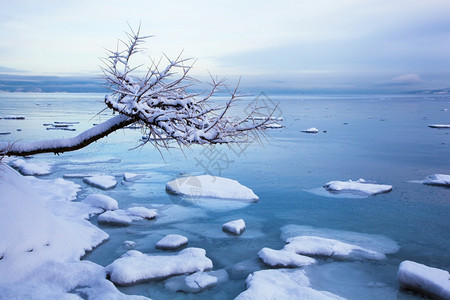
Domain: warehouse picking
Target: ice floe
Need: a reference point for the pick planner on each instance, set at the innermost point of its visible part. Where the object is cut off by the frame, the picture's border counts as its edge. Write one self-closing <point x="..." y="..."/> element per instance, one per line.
<point x="210" y="186"/>
<point x="283" y="258"/>
<point x="311" y="130"/>
<point x="235" y="227"/>
<point x="281" y="284"/>
<point x="171" y="242"/>
<point x="439" y="125"/>
<point x="140" y="267"/>
<point x="14" y="117"/>
<point x="273" y="125"/>
<point x="360" y="187"/>
<point x="101" y="201"/>
<point x="142" y="212"/>
<point x="426" y="280"/>
<point x="318" y="246"/>
<point x="438" y="179"/>
<point x="196" y="282"/>
<point x="31" y="168"/>
<point x="130" y="177"/>
<point x="117" y="217"/>
<point x="104" y="182"/>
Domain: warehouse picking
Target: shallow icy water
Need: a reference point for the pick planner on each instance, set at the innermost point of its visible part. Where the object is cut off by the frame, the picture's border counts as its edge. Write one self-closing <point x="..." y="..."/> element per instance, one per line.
<point x="384" y="139"/>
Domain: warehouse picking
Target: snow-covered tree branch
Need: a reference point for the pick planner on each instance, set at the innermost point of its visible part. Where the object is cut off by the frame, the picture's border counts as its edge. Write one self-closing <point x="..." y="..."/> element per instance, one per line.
<point x="159" y="100"/>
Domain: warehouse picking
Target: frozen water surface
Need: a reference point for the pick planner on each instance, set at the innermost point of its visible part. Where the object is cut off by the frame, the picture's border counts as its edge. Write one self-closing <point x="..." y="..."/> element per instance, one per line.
<point x="384" y="139"/>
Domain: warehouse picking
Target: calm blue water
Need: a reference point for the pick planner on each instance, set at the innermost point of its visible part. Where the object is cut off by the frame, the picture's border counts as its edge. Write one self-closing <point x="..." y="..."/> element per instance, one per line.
<point x="380" y="138"/>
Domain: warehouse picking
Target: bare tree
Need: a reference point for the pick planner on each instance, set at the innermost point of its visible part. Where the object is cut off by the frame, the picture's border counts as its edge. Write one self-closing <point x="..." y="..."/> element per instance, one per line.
<point x="158" y="100"/>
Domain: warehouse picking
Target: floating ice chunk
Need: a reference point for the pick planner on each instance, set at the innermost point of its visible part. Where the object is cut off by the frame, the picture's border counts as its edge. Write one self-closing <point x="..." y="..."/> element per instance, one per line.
<point x="30" y="168"/>
<point x="102" y="201"/>
<point x="104" y="182"/>
<point x="439" y="125"/>
<point x="130" y="177"/>
<point x="235" y="227"/>
<point x="5" y="133"/>
<point x="438" y="179"/>
<point x="281" y="284"/>
<point x="196" y="282"/>
<point x="14" y="117"/>
<point x="360" y="186"/>
<point x="172" y="241"/>
<point x="375" y="242"/>
<point x="129" y="245"/>
<point x="311" y="130"/>
<point x="210" y="186"/>
<point x="426" y="280"/>
<point x="273" y="125"/>
<point x="141" y="267"/>
<point x="117" y="217"/>
<point x="142" y="212"/>
<point x="283" y="258"/>
<point x="317" y="246"/>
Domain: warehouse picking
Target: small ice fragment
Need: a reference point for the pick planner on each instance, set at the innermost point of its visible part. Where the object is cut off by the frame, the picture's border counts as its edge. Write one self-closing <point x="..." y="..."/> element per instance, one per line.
<point x="311" y="130"/>
<point x="439" y="125"/>
<point x="360" y="186"/>
<point x="129" y="245"/>
<point x="102" y="201"/>
<point x="104" y="182"/>
<point x="235" y="227"/>
<point x="438" y="179"/>
<point x="171" y="242"/>
<point x="131" y="176"/>
<point x="284" y="259"/>
<point x="142" y="212"/>
<point x="426" y="280"/>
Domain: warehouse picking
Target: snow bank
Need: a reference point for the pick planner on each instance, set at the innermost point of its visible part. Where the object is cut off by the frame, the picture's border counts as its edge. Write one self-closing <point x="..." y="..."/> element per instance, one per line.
<point x="283" y="258"/>
<point x="142" y="212"/>
<point x="196" y="282"/>
<point x="311" y="130"/>
<point x="235" y="227"/>
<point x="210" y="186"/>
<point x="171" y="242"/>
<point x="317" y="246"/>
<point x="141" y="267"/>
<point x="438" y="179"/>
<point x="359" y="186"/>
<point x="104" y="182"/>
<point x="32" y="234"/>
<point x="420" y="278"/>
<point x="30" y="168"/>
<point x="281" y="284"/>
<point x="101" y="201"/>
<point x="374" y="242"/>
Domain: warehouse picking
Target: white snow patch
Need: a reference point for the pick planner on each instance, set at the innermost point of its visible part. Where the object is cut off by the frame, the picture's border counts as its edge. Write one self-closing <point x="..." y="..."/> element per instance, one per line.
<point x="141" y="267"/>
<point x="311" y="130"/>
<point x="196" y="282"/>
<point x="426" y="280"/>
<point x="281" y="284"/>
<point x="235" y="227"/>
<point x="172" y="241"/>
<point x="438" y="179"/>
<point x="283" y="258"/>
<point x="101" y="201"/>
<point x="318" y="246"/>
<point x="130" y="177"/>
<point x="117" y="217"/>
<point x="273" y="125"/>
<point x="142" y="212"/>
<point x="31" y="168"/>
<point x="210" y="186"/>
<point x="360" y="186"/>
<point x="104" y="182"/>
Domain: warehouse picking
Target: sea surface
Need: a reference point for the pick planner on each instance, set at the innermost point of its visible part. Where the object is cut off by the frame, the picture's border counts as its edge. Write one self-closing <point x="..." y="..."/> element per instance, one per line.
<point x="385" y="139"/>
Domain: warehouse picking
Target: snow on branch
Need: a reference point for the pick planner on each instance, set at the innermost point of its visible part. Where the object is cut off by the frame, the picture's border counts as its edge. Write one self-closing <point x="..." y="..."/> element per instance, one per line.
<point x="159" y="100"/>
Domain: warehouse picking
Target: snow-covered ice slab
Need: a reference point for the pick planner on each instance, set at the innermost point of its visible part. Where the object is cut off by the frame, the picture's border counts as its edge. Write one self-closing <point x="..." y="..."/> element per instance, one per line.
<point x="438" y="179"/>
<point x="104" y="182"/>
<point x="283" y="258"/>
<point x="142" y="212"/>
<point x="193" y="283"/>
<point x="102" y="201"/>
<point x="311" y="130"/>
<point x="130" y="177"/>
<point x="282" y="284"/>
<point x="318" y="246"/>
<point x="140" y="267"/>
<point x="236" y="227"/>
<point x="273" y="125"/>
<point x="171" y="242"/>
<point x="374" y="242"/>
<point x="210" y="186"/>
<point x="439" y="125"/>
<point x="360" y="187"/>
<point x="31" y="168"/>
<point x="117" y="217"/>
<point x="426" y="280"/>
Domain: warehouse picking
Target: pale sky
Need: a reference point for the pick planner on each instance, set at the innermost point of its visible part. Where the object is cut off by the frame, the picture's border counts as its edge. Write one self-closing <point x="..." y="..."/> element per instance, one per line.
<point x="348" y="44"/>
